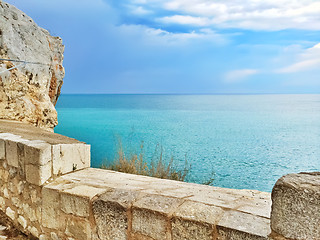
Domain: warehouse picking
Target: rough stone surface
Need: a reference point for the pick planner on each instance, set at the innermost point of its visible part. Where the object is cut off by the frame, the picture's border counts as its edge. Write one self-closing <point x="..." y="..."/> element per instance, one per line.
<point x="69" y="158"/>
<point x="8" y="231"/>
<point x="78" y="228"/>
<point x="194" y="220"/>
<point x="9" y="129"/>
<point x="10" y="213"/>
<point x="111" y="211"/>
<point x="51" y="216"/>
<point x="296" y="206"/>
<point x="38" y="175"/>
<point x="239" y="225"/>
<point x="25" y="172"/>
<point x="151" y="213"/>
<point x="228" y="234"/>
<point x="37" y="153"/>
<point x="29" y="92"/>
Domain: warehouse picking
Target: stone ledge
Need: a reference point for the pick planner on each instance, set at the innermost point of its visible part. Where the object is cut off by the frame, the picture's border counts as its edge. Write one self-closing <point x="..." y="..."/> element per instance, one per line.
<point x="29" y="132"/>
<point x="38" y="160"/>
<point x="154" y="208"/>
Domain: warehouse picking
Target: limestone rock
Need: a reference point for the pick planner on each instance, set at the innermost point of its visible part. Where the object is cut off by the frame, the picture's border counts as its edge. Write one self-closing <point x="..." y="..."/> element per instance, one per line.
<point x="29" y="92"/>
<point x="296" y="206"/>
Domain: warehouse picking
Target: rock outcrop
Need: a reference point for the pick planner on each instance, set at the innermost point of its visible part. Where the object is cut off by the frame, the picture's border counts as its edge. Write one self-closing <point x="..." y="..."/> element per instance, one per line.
<point x="296" y="207"/>
<point x="29" y="92"/>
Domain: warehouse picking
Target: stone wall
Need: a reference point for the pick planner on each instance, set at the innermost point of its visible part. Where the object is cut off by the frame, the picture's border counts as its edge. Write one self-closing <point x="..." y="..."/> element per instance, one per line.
<point x="30" y="158"/>
<point x="49" y="192"/>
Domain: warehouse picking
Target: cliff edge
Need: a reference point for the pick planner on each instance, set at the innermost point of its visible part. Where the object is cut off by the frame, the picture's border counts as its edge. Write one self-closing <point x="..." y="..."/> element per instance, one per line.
<point x="29" y="92"/>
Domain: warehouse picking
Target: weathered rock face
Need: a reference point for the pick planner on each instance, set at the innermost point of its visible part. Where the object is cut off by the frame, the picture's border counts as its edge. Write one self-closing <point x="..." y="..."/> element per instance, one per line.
<point x="296" y="206"/>
<point x="29" y="92"/>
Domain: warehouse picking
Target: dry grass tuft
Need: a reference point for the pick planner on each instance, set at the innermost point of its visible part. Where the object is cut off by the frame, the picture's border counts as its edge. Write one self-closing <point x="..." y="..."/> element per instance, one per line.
<point x="136" y="164"/>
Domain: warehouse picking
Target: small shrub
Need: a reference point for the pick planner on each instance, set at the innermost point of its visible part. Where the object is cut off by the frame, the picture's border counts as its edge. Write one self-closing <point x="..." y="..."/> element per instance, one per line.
<point x="136" y="164"/>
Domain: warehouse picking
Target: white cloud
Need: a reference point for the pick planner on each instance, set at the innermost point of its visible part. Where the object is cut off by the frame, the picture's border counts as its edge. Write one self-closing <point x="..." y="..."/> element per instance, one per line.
<point x="301" y="66"/>
<point x="239" y="75"/>
<point x="188" y="20"/>
<point x="140" y="11"/>
<point x="139" y="1"/>
<point x="247" y="14"/>
<point x="157" y="36"/>
<point x="307" y="60"/>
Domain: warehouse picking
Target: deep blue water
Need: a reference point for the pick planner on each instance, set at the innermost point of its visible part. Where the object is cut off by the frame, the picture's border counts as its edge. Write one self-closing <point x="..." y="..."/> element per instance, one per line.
<point x="248" y="140"/>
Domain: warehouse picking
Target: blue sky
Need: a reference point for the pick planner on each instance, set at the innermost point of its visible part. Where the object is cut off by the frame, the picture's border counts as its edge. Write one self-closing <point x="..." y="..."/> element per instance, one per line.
<point x="185" y="46"/>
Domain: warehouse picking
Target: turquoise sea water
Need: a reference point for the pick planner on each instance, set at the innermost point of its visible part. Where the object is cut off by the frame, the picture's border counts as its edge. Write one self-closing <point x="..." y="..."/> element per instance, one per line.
<point x="248" y="140"/>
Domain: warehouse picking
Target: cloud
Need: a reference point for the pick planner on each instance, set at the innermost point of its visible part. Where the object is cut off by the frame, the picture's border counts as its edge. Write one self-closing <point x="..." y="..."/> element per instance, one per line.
<point x="307" y="60"/>
<point x="239" y="75"/>
<point x="140" y="10"/>
<point x="301" y="66"/>
<point x="248" y="14"/>
<point x="181" y="19"/>
<point x="160" y="37"/>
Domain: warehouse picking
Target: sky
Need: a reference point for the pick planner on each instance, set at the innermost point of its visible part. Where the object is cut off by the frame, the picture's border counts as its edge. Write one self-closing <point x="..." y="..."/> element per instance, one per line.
<point x="185" y="46"/>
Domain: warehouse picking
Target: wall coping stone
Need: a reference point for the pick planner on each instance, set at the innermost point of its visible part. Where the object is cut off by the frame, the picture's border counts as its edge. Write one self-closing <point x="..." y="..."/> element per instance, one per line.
<point x="30" y="132"/>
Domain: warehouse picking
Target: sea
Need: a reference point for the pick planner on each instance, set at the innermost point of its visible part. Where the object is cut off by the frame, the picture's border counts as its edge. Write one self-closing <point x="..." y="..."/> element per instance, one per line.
<point x="243" y="141"/>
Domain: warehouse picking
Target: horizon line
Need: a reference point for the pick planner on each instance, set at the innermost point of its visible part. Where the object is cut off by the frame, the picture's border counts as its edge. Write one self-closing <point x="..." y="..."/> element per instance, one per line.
<point x="316" y="93"/>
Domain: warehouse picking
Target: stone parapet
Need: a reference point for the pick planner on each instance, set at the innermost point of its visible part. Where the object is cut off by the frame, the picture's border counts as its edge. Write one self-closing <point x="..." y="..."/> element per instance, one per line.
<point x="116" y="205"/>
<point x="27" y="164"/>
<point x="296" y="207"/>
<point x="49" y="191"/>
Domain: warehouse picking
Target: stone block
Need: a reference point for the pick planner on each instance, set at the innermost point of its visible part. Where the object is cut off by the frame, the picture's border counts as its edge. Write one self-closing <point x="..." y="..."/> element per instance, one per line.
<point x="6" y="193"/>
<point x="16" y="202"/>
<point x="20" y="187"/>
<point x="12" y="153"/>
<point x="38" y="175"/>
<point x="76" y="205"/>
<point x="37" y="153"/>
<point x="76" y="200"/>
<point x="296" y="206"/>
<point x="138" y="236"/>
<point x="2" y="149"/>
<point x="51" y="213"/>
<point x="21" y="161"/>
<point x="191" y="230"/>
<point x="70" y="157"/>
<point x="29" y="212"/>
<point x="34" y="231"/>
<point x="78" y="228"/>
<point x="228" y="233"/>
<point x="43" y="237"/>
<point x="22" y="221"/>
<point x="151" y="224"/>
<point x="4" y="175"/>
<point x="158" y="203"/>
<point x="111" y="213"/>
<point x="199" y="212"/>
<point x="56" y="160"/>
<point x="10" y="213"/>
<point x="2" y="203"/>
<point x="239" y="225"/>
<point x="193" y="220"/>
<point x="151" y="214"/>
<point x="54" y="236"/>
